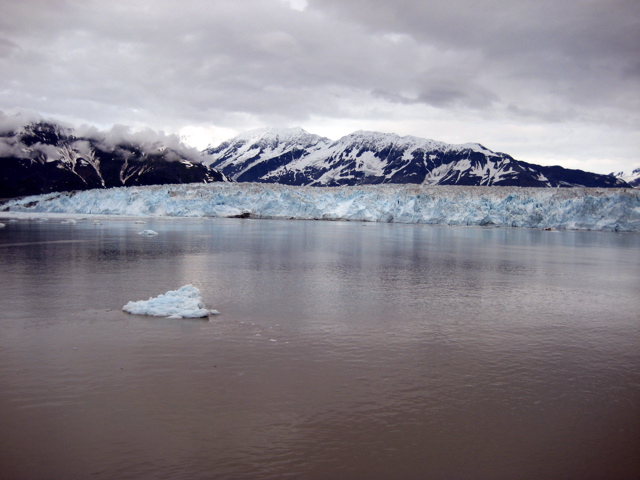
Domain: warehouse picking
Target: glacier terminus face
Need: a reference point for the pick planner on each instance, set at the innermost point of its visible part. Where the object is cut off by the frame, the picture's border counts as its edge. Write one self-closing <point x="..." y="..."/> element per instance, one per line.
<point x="558" y="208"/>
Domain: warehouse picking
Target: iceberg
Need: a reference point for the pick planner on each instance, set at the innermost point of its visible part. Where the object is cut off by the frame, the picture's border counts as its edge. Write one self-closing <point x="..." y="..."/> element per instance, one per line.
<point x="608" y="209"/>
<point x="148" y="233"/>
<point x="186" y="302"/>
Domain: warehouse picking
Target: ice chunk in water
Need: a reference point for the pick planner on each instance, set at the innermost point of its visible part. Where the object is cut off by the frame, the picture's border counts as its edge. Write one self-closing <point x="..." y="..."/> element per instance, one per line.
<point x="186" y="302"/>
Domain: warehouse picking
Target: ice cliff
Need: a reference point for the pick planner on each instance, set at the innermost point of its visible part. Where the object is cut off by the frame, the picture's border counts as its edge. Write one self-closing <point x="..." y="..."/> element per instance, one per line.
<point x="565" y="208"/>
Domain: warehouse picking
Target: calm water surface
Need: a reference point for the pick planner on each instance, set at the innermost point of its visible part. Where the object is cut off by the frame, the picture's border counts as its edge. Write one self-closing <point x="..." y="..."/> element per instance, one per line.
<point x="344" y="351"/>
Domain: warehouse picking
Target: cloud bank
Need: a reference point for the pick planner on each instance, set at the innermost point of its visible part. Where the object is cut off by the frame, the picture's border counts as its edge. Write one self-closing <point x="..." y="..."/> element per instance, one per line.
<point x="547" y="82"/>
<point x="87" y="137"/>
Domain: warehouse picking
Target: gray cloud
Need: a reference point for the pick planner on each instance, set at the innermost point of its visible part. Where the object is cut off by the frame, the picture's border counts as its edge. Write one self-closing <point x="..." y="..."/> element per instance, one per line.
<point x="407" y="66"/>
<point x="577" y="51"/>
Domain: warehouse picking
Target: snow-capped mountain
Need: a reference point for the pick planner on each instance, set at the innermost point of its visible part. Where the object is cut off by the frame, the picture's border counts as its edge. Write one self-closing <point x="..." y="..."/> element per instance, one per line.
<point x="632" y="178"/>
<point x="260" y="154"/>
<point x="42" y="157"/>
<point x="296" y="157"/>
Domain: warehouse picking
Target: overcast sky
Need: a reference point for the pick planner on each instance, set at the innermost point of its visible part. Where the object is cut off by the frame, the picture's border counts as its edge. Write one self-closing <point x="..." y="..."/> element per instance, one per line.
<point x="546" y="81"/>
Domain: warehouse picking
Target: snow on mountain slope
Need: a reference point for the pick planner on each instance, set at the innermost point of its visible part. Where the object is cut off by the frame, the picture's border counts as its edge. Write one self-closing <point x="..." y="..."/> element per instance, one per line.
<point x="576" y="208"/>
<point x="632" y="178"/>
<point x="255" y="152"/>
<point x="46" y="157"/>
<point x="295" y="157"/>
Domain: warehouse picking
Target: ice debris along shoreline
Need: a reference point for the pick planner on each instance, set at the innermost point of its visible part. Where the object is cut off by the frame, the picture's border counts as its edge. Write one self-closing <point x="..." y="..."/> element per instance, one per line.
<point x="186" y="302"/>
<point x="564" y="208"/>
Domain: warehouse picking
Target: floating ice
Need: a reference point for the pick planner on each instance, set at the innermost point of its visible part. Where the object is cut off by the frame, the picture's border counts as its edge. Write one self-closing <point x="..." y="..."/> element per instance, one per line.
<point x="610" y="209"/>
<point x="186" y="302"/>
<point x="148" y="233"/>
<point x="2" y="225"/>
<point x="69" y="221"/>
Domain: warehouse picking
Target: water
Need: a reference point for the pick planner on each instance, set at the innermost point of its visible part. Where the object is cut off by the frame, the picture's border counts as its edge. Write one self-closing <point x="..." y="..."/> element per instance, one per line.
<point x="344" y="350"/>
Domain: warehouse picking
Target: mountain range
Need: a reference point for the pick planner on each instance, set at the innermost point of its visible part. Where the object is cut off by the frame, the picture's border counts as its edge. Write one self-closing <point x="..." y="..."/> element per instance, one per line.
<point x="296" y="157"/>
<point x="43" y="157"/>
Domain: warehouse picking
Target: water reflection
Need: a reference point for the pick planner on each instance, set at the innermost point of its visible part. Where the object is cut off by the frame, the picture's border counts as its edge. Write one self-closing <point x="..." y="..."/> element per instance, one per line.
<point x="344" y="350"/>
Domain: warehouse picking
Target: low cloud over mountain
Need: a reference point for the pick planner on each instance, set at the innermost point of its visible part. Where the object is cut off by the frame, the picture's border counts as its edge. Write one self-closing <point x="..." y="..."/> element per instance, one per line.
<point x="39" y="156"/>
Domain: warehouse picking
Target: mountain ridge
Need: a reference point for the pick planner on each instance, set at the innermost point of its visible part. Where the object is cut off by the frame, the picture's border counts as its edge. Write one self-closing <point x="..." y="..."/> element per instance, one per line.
<point x="43" y="157"/>
<point x="365" y="157"/>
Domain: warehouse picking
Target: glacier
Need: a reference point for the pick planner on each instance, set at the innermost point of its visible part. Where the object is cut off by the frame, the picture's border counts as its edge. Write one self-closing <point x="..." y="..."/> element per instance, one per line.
<point x="604" y="209"/>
